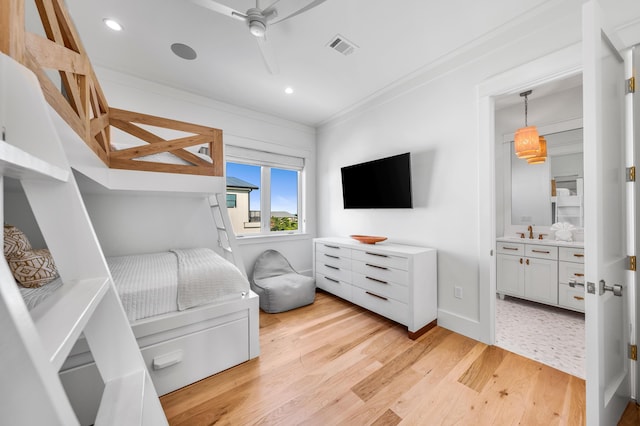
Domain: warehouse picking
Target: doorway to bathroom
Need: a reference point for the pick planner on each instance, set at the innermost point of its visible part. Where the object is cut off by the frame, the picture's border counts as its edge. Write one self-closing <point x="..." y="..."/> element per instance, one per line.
<point x="539" y="301"/>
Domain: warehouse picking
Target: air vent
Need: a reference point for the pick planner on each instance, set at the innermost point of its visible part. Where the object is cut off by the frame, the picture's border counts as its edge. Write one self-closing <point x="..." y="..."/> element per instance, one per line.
<point x="342" y="45"/>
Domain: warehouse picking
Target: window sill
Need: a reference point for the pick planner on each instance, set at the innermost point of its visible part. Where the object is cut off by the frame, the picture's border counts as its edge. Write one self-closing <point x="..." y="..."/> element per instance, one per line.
<point x="262" y="238"/>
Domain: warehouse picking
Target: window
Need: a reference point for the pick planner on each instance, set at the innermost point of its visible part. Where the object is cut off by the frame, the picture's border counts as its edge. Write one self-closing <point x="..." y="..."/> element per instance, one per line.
<point x="231" y="201"/>
<point x="266" y="189"/>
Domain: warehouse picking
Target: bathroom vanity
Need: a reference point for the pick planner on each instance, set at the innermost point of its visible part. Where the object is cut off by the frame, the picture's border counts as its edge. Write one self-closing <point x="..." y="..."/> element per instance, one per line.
<point x="545" y="271"/>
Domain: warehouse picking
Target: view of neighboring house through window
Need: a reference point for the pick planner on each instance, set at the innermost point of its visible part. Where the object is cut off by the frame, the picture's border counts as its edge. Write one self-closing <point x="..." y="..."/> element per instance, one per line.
<point x="265" y="198"/>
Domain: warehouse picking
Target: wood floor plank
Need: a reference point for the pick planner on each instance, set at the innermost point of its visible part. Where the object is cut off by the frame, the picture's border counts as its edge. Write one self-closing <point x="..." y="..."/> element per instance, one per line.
<point x="334" y="363"/>
<point x="510" y="391"/>
<point x="481" y="371"/>
<point x="575" y="404"/>
<point x="375" y="383"/>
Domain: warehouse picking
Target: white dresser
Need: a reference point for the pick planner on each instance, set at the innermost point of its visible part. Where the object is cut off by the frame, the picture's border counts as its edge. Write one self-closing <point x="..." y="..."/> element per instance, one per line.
<point x="394" y="280"/>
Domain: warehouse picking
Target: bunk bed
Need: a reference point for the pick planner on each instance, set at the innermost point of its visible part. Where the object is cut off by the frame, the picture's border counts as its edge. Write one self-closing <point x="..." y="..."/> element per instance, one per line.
<point x="161" y="156"/>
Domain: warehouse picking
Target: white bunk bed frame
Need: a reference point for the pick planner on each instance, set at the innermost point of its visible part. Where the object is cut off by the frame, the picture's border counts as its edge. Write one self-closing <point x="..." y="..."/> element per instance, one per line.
<point x="176" y="348"/>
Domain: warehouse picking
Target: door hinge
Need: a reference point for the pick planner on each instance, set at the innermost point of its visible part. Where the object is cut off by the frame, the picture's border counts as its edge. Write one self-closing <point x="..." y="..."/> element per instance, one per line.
<point x="631" y="174"/>
<point x="633" y="352"/>
<point x="630" y="86"/>
<point x="632" y="263"/>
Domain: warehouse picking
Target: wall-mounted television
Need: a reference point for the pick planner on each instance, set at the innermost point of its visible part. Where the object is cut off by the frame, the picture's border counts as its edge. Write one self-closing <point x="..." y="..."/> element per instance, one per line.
<point x="379" y="184"/>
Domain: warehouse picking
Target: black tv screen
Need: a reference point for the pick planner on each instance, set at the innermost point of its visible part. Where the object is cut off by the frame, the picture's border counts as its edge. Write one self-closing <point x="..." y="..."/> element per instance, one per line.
<point x="378" y="184"/>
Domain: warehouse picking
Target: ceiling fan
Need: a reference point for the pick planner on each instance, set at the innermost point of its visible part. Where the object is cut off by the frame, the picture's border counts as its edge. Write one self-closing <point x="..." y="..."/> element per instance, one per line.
<point x="258" y="20"/>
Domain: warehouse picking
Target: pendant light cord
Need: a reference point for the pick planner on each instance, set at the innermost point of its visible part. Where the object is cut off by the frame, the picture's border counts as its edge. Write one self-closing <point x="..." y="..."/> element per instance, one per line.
<point x="526" y="105"/>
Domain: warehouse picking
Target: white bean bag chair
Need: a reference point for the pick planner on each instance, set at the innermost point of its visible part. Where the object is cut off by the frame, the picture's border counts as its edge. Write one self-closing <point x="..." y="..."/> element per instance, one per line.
<point x="279" y="286"/>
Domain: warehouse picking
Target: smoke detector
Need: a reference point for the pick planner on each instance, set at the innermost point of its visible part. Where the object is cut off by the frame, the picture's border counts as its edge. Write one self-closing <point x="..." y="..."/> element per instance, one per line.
<point x="342" y="45"/>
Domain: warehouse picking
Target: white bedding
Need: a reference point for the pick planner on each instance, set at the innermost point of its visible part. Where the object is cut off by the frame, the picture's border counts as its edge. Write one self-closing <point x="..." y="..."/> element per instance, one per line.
<point x="148" y="283"/>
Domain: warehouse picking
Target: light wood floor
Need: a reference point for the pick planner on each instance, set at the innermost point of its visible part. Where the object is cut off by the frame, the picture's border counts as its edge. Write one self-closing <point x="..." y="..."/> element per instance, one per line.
<point x="334" y="363"/>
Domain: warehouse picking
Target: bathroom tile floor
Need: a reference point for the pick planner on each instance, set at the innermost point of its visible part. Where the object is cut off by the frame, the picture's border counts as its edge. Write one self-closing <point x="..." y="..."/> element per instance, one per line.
<point x="547" y="334"/>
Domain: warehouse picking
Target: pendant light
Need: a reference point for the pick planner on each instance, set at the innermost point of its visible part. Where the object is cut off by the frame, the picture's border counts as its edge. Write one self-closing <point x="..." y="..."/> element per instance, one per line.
<point x="526" y="139"/>
<point x="541" y="154"/>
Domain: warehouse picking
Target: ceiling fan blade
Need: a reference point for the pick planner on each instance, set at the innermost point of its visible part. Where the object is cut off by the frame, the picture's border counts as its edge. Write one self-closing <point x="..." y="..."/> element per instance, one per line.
<point x="286" y="9"/>
<point x="221" y="8"/>
<point x="268" y="55"/>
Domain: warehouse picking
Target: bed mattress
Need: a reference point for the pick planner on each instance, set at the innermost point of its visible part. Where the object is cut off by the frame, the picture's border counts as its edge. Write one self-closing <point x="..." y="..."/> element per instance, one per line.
<point x="148" y="284"/>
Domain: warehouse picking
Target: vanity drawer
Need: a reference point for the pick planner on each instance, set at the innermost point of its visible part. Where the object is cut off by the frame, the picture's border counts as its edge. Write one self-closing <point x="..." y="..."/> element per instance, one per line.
<point x="510" y="248"/>
<point x="571" y="297"/>
<point x="333" y="249"/>
<point x="380" y="287"/>
<point x="541" y="251"/>
<point x="379" y="259"/>
<point x="572" y="254"/>
<point x="380" y="273"/>
<point x="335" y="272"/>
<point x="570" y="270"/>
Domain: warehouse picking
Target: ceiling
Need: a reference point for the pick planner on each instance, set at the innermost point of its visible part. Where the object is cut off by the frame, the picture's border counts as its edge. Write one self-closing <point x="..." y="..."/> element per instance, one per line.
<point x="396" y="40"/>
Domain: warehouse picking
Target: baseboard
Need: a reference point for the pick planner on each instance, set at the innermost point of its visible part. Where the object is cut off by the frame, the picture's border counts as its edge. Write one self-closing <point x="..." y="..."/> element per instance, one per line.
<point x="462" y="325"/>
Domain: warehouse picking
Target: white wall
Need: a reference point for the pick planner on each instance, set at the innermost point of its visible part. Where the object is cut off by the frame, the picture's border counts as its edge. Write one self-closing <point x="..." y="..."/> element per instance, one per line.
<point x="127" y="224"/>
<point x="435" y="116"/>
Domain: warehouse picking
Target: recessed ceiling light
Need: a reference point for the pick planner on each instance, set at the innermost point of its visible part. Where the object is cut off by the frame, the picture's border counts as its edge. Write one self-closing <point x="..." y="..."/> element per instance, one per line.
<point x="288" y="90"/>
<point x="114" y="25"/>
<point x="184" y="51"/>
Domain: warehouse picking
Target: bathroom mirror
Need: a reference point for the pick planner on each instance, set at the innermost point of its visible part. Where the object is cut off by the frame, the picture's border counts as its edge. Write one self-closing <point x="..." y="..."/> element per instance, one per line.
<point x="542" y="194"/>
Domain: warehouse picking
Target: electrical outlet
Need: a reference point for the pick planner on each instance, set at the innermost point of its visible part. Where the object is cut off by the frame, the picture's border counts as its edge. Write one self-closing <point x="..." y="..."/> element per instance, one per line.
<point x="458" y="292"/>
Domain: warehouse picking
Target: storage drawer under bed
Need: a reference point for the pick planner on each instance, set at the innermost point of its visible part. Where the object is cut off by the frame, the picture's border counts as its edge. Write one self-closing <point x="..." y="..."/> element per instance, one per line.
<point x="172" y="364"/>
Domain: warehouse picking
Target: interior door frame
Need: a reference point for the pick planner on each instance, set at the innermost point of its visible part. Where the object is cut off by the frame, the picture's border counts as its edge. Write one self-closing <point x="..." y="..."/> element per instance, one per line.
<point x="558" y="65"/>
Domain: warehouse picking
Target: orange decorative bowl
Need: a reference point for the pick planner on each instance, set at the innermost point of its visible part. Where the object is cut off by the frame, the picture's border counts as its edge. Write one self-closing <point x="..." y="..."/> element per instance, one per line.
<point x="368" y="239"/>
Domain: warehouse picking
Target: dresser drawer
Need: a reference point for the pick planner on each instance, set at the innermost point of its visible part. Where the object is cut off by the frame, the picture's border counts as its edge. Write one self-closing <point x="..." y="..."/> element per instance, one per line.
<point x="382" y="305"/>
<point x="333" y="249"/>
<point x="570" y="270"/>
<point x="516" y="249"/>
<point x="380" y="287"/>
<point x="342" y="262"/>
<point x="541" y="251"/>
<point x="334" y="286"/>
<point x="572" y="254"/>
<point x="571" y="297"/>
<point x="379" y="259"/>
<point x="332" y="271"/>
<point x="381" y="273"/>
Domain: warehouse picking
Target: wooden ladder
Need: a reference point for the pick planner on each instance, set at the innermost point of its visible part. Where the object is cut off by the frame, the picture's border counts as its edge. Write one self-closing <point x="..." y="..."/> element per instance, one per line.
<point x="36" y="343"/>
<point x="226" y="237"/>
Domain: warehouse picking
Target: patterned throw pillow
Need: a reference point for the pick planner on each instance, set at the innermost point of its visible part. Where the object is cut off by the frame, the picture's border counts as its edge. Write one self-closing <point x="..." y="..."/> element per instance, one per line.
<point x="15" y="242"/>
<point x="34" y="268"/>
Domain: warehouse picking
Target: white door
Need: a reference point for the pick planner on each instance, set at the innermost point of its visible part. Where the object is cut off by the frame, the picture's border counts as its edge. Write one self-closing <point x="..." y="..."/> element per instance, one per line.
<point x="607" y="325"/>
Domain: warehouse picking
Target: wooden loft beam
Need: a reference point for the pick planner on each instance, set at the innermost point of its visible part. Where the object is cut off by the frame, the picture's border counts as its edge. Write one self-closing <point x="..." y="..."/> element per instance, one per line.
<point x="12" y="30"/>
<point x="79" y="99"/>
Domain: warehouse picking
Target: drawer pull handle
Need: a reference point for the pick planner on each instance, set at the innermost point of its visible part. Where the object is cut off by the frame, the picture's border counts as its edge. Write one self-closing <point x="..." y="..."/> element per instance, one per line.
<point x="573" y="283"/>
<point x="578" y="297"/>
<point x="521" y="261"/>
<point x="578" y="255"/>
<point x="541" y="251"/>
<point x="527" y="261"/>
<point x="332" y="280"/>
<point x="376" y="266"/>
<point x="332" y="247"/>
<point x="376" y="280"/>
<point x="376" y="254"/>
<point x="577" y="274"/>
<point x="375" y="295"/>
<point x="167" y="360"/>
<point x="332" y="267"/>
<point x="510" y="248"/>
<point x="332" y="256"/>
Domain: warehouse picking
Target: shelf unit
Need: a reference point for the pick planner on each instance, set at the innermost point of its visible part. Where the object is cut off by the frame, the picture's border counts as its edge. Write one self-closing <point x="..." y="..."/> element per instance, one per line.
<point x="36" y="343"/>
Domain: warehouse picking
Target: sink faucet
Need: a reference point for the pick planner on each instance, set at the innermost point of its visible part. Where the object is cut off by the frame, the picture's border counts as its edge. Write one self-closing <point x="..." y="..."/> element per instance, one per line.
<point x="530" y="229"/>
